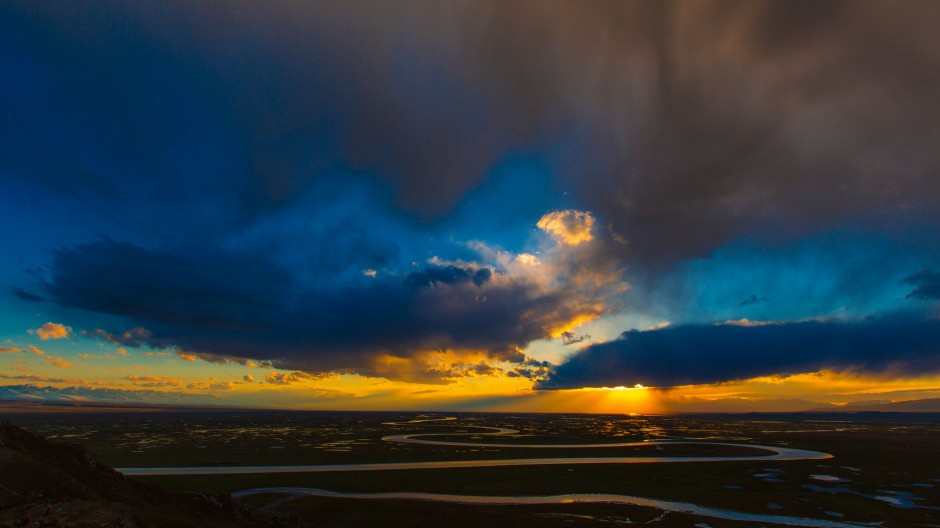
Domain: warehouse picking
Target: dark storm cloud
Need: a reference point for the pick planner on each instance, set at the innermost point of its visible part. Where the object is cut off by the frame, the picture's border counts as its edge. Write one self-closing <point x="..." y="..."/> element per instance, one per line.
<point x="447" y="275"/>
<point x="682" y="124"/>
<point x="926" y="285"/>
<point x="255" y="100"/>
<point x="134" y="338"/>
<point x="189" y="288"/>
<point x="482" y="275"/>
<point x="713" y="119"/>
<point x="695" y="354"/>
<point x="25" y="295"/>
<point x="231" y="305"/>
<point x="532" y="369"/>
<point x="752" y="299"/>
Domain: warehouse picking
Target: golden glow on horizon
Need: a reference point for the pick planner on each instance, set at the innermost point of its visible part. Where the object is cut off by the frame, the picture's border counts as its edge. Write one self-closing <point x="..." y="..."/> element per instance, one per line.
<point x="625" y="400"/>
<point x="436" y="380"/>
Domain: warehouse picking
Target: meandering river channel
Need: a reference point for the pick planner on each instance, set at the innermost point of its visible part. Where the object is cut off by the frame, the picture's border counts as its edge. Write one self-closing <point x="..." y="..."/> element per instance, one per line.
<point x="773" y="453"/>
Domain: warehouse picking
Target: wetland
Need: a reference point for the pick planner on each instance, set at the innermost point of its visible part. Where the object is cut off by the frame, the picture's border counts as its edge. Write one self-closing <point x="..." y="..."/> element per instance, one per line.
<point x="471" y="469"/>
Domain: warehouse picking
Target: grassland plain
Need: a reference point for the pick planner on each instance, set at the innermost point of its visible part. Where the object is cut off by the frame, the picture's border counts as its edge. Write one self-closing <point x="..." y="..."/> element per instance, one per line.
<point x="886" y="468"/>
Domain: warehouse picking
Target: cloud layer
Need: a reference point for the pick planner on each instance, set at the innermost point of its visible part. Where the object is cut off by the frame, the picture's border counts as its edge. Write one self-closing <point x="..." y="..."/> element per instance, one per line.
<point x="219" y="304"/>
<point x="900" y="345"/>
<point x="682" y="124"/>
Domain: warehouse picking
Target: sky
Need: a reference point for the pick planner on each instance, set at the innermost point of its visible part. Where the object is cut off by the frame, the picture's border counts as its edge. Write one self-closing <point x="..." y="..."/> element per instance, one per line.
<point x="554" y="206"/>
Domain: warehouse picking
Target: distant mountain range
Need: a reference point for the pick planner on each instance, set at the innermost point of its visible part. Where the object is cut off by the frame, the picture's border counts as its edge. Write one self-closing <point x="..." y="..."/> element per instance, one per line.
<point x="742" y="405"/>
<point x="79" y="395"/>
<point x="920" y="406"/>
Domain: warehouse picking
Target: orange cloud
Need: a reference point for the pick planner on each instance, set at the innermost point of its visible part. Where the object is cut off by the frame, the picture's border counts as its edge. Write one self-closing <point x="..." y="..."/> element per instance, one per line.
<point x="32" y="377"/>
<point x="212" y="384"/>
<point x="153" y="381"/>
<point x="52" y="330"/>
<point x="10" y="350"/>
<point x="58" y="362"/>
<point x="435" y="367"/>
<point x="288" y="378"/>
<point x="570" y="226"/>
<point x="121" y="351"/>
<point x="186" y="357"/>
<point x="34" y="350"/>
<point x="102" y="356"/>
<point x="745" y="322"/>
<point x="575" y="322"/>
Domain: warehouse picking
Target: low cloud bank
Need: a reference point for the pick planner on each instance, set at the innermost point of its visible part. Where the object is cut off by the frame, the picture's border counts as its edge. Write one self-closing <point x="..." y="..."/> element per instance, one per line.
<point x="695" y="354"/>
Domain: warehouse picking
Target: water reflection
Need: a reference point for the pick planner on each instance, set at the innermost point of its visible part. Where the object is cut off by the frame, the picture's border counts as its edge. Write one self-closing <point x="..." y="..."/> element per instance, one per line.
<point x="666" y="506"/>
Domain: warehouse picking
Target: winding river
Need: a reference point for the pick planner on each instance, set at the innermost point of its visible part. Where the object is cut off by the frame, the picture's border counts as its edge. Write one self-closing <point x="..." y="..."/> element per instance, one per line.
<point x="774" y="453"/>
<point x="668" y="506"/>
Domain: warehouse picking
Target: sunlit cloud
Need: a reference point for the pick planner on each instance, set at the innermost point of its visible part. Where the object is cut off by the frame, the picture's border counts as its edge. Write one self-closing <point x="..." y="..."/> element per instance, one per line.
<point x="527" y="259"/>
<point x="490" y="303"/>
<point x="153" y="381"/>
<point x="212" y="384"/>
<point x="437" y="367"/>
<point x="38" y="378"/>
<point x="286" y="378"/>
<point x="57" y="362"/>
<point x="52" y="330"/>
<point x="575" y="322"/>
<point x="86" y="355"/>
<point x="568" y="226"/>
<point x="747" y="322"/>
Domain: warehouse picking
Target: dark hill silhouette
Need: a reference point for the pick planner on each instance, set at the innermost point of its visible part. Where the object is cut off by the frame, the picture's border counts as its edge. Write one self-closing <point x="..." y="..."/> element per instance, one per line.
<point x="64" y="485"/>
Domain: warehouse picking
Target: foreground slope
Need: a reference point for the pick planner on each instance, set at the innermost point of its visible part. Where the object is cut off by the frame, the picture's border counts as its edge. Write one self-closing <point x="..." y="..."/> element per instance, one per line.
<point x="61" y="484"/>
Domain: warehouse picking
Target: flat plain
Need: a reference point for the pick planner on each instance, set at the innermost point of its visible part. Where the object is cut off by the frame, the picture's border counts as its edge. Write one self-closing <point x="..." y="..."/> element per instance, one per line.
<point x="885" y="467"/>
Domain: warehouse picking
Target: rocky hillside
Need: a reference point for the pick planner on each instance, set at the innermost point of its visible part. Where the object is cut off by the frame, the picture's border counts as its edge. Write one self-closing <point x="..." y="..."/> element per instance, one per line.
<point x="45" y="483"/>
